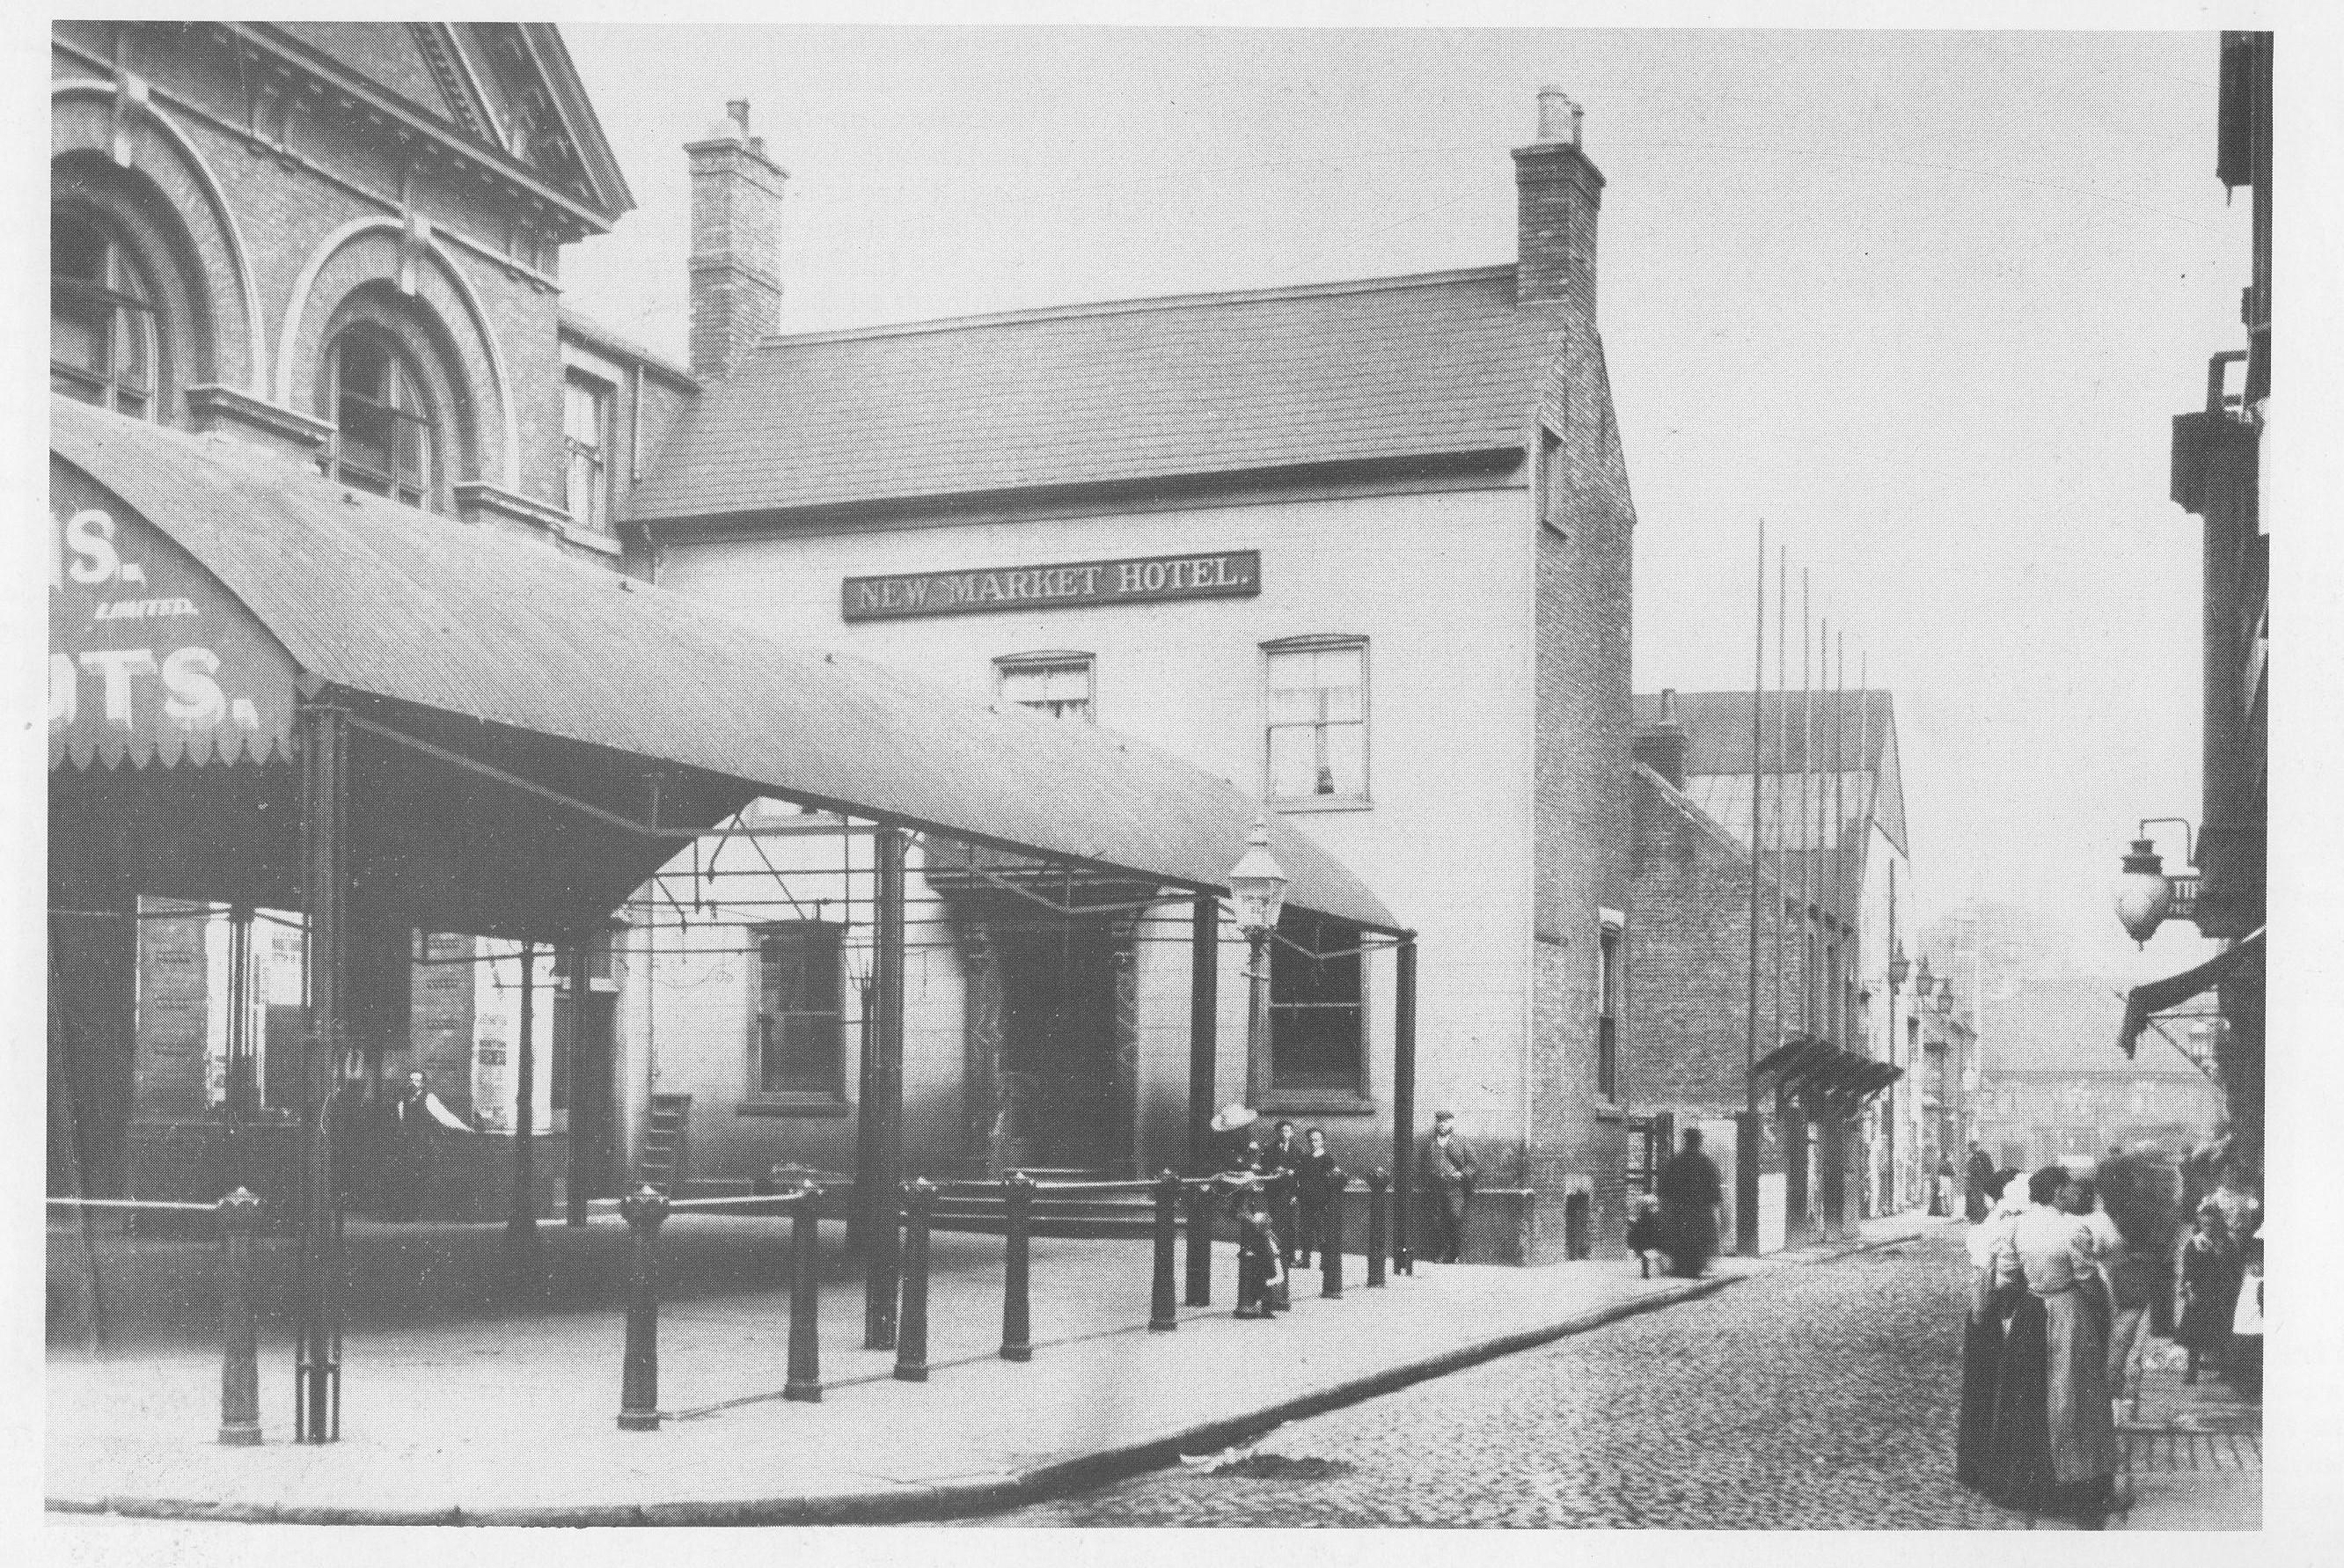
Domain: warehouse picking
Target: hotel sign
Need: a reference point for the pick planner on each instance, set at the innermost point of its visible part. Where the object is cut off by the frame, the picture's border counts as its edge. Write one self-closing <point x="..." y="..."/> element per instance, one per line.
<point x="1225" y="574"/>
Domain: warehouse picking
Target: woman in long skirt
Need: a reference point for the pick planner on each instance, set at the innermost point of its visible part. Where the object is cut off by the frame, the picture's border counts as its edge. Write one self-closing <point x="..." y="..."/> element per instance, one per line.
<point x="2054" y="1442"/>
<point x="1981" y="1332"/>
<point x="2210" y="1291"/>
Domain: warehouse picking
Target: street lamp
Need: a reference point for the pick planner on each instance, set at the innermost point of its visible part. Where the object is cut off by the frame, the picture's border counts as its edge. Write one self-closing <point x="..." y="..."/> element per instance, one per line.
<point x="1257" y="890"/>
<point x="2144" y="894"/>
<point x="1944" y="997"/>
<point x="1899" y="967"/>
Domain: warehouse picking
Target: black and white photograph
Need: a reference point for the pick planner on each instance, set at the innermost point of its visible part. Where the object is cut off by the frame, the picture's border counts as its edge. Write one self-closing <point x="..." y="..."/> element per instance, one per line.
<point x="1358" y="771"/>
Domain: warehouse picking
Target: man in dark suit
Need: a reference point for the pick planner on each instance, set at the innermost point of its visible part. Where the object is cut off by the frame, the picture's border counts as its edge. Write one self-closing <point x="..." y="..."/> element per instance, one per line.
<point x="1444" y="1173"/>
<point x="1980" y="1172"/>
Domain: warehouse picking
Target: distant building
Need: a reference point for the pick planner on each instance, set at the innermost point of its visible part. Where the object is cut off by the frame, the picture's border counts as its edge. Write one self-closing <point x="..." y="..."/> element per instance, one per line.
<point x="1840" y="906"/>
<point x="2045" y="1084"/>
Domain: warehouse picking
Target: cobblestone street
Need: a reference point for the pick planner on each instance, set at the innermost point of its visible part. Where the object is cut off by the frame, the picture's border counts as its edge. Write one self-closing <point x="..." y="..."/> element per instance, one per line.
<point x="1808" y="1398"/>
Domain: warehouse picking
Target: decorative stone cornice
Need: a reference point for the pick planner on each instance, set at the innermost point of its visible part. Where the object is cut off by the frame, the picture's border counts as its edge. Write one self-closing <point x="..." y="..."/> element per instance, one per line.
<point x="215" y="408"/>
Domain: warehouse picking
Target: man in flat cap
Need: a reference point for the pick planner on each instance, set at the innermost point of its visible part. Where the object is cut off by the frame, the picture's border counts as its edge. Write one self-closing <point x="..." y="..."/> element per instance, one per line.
<point x="1445" y="1174"/>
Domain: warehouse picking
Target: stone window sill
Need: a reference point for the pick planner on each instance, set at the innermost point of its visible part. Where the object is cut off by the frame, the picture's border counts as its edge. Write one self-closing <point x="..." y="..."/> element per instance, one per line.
<point x="1316" y="1102"/>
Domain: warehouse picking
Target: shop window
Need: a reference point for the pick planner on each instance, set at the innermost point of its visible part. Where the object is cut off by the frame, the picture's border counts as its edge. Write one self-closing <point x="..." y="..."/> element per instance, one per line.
<point x="1606" y="1013"/>
<point x="1317" y="1010"/>
<point x="102" y="332"/>
<point x="1057" y="684"/>
<point x="796" y="1037"/>
<point x="386" y="440"/>
<point x="586" y="438"/>
<point x="1317" y="706"/>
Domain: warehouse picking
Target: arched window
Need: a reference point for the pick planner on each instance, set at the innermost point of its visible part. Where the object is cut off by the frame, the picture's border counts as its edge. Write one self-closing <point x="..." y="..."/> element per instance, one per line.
<point x="387" y="441"/>
<point x="102" y="330"/>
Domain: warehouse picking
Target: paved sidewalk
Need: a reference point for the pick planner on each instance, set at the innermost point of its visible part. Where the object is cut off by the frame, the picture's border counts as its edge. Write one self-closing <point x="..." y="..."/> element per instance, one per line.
<point x="2194" y="1453"/>
<point x="495" y="1417"/>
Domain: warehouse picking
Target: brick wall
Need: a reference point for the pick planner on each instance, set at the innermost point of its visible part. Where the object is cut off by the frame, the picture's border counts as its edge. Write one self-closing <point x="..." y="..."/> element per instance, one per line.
<point x="1693" y="956"/>
<point x="1580" y="815"/>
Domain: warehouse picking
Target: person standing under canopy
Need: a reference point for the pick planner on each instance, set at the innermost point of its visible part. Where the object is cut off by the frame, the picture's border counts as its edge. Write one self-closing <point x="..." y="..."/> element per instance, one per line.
<point x="1690" y="1194"/>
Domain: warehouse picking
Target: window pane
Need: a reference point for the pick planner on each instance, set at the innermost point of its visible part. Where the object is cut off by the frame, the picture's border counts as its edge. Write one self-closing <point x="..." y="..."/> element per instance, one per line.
<point x="78" y="335"/>
<point x="1344" y="770"/>
<point x="582" y="412"/>
<point x="77" y="251"/>
<point x="133" y="348"/>
<point x="1293" y="762"/>
<point x="1315" y="1006"/>
<point x="365" y="369"/>
<point x="365" y="435"/>
<point x="411" y="459"/>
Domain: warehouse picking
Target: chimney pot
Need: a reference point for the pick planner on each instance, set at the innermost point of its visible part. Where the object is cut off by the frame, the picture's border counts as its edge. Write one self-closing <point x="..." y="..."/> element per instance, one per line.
<point x="1558" y="118"/>
<point x="737" y="110"/>
<point x="1668" y="704"/>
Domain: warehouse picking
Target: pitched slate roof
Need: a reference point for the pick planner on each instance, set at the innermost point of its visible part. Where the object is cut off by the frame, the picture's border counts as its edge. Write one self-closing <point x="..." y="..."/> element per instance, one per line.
<point x="1197" y="385"/>
<point x="1717" y="748"/>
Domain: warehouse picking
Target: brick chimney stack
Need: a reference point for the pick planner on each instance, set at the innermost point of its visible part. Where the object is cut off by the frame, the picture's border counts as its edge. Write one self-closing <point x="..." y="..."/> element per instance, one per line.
<point x="736" y="243"/>
<point x="1561" y="192"/>
<point x="1661" y="746"/>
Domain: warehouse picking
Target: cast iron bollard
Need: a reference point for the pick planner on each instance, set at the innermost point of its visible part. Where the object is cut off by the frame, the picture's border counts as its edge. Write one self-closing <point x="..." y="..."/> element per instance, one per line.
<point x="1163" y="1304"/>
<point x="911" y="1330"/>
<point x="642" y="1209"/>
<point x="1377" y="1181"/>
<point x="1201" y="1245"/>
<point x="1330" y="1237"/>
<point x="1017" y="1326"/>
<point x="240" y="1220"/>
<point x="805" y="1296"/>
<point x="1282" y="1207"/>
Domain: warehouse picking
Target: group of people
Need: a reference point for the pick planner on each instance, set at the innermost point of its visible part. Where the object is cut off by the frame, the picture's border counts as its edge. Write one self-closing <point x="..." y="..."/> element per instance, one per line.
<point x="2064" y="1282"/>
<point x="1280" y="1224"/>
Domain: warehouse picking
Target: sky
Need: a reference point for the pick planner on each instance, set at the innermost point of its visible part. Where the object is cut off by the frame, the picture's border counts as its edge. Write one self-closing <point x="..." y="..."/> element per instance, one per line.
<point x="1924" y="302"/>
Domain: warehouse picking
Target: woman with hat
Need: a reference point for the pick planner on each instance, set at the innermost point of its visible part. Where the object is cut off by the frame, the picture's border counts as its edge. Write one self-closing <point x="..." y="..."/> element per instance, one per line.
<point x="1232" y="1129"/>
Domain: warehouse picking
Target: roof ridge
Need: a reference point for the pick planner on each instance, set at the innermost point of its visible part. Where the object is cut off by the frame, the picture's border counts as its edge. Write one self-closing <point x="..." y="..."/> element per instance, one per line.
<point x="1139" y="306"/>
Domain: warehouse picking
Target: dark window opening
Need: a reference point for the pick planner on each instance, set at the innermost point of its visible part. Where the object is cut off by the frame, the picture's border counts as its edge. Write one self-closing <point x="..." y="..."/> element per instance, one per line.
<point x="102" y="336"/>
<point x="796" y="1047"/>
<point x="386" y="442"/>
<point x="1315" y="1007"/>
<point x="1607" y="1015"/>
<point x="586" y="438"/>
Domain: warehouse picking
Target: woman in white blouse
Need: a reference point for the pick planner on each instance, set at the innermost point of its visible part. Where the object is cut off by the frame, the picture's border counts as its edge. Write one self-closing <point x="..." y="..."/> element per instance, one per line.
<point x="2055" y="1448"/>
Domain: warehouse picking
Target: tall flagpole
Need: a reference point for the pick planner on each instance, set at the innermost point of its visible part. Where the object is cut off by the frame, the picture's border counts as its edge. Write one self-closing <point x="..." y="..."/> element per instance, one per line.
<point x="1745" y="1143"/>
<point x="1782" y="732"/>
<point x="1807" y="809"/>
<point x="1839" y="837"/>
<point x="1866" y="791"/>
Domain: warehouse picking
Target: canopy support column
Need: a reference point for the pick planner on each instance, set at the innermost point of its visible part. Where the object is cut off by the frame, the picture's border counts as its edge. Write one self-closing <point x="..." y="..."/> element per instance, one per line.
<point x="1796" y="1231"/>
<point x="323" y="735"/>
<point x="1204" y="1017"/>
<point x="243" y="1103"/>
<point x="521" y="1222"/>
<point x="882" y="1107"/>
<point x="1403" y="1103"/>
<point x="586" y="1076"/>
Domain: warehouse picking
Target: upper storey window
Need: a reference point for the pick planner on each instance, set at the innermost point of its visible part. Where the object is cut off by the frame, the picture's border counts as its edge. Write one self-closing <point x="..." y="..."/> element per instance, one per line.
<point x="1057" y="684"/>
<point x="1317" y="748"/>
<point x="102" y="340"/>
<point x="387" y="441"/>
<point x="586" y="438"/>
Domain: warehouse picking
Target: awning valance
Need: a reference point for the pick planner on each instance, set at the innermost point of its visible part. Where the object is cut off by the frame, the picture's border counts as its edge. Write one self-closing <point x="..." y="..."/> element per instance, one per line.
<point x="2146" y="1001"/>
<point x="359" y="595"/>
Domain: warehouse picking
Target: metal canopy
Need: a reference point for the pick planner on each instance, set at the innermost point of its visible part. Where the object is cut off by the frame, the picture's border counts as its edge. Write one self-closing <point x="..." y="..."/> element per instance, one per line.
<point x="2175" y="989"/>
<point x="491" y="644"/>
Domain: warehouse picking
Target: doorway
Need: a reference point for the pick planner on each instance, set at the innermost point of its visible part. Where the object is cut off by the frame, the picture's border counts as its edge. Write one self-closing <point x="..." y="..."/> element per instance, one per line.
<point x="582" y="1090"/>
<point x="1058" y="1082"/>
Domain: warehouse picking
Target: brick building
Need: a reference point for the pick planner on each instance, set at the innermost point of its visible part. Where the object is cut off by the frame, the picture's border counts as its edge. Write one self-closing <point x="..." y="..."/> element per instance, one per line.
<point x="1364" y="548"/>
<point x="1830" y="916"/>
<point x="338" y="245"/>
